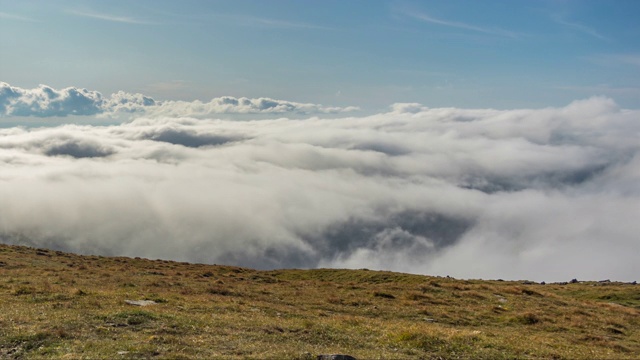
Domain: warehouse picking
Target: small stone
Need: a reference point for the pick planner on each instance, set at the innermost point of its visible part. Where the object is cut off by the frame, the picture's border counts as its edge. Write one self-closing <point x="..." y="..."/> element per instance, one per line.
<point x="122" y="352"/>
<point x="140" y="302"/>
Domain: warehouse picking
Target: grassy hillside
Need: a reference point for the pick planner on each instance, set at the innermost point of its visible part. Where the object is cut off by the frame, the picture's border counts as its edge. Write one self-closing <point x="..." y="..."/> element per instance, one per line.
<point x="59" y="305"/>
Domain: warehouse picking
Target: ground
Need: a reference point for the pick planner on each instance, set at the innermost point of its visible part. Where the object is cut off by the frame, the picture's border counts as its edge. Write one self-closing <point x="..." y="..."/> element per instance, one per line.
<point x="60" y="305"/>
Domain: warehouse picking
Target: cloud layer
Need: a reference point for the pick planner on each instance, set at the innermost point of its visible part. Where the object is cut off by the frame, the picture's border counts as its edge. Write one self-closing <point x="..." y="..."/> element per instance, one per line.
<point x="45" y="101"/>
<point x="548" y="194"/>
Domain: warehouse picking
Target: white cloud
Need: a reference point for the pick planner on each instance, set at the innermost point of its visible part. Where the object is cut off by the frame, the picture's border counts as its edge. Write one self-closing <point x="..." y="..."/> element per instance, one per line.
<point x="549" y="194"/>
<point x="45" y="101"/>
<point x="459" y="25"/>
<point x="412" y="108"/>
<point x="632" y="59"/>
<point x="243" y="105"/>
<point x="578" y="27"/>
<point x="271" y="23"/>
<point x="109" y="17"/>
<point x="8" y="16"/>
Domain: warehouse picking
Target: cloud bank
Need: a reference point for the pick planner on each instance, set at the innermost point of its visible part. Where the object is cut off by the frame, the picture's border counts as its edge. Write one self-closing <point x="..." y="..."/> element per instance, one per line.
<point x="548" y="194"/>
<point x="45" y="101"/>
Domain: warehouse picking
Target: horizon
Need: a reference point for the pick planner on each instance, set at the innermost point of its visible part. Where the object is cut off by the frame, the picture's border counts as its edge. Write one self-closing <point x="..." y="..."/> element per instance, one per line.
<point x="491" y="139"/>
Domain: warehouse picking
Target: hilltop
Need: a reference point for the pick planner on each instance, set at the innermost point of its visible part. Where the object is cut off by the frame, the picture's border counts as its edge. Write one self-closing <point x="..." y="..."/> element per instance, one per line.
<point x="61" y="305"/>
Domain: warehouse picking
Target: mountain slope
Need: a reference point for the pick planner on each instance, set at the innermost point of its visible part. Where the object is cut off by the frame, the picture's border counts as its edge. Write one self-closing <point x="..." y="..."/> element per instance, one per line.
<point x="56" y="304"/>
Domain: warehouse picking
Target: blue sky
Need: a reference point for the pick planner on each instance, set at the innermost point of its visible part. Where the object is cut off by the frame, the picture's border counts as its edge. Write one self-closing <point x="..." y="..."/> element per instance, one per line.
<point x="486" y="54"/>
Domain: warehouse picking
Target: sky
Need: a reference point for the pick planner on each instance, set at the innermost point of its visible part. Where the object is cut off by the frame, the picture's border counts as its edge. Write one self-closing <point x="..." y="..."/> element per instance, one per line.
<point x="476" y="139"/>
<point x="497" y="54"/>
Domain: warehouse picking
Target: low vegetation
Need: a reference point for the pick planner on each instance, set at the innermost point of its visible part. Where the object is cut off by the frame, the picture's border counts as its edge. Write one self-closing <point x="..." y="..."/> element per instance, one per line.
<point x="60" y="305"/>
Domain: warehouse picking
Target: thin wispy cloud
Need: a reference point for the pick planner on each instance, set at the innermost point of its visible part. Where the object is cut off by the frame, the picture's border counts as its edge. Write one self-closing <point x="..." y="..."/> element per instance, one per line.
<point x="579" y="27"/>
<point x="631" y="59"/>
<point x="603" y="89"/>
<point x="459" y="25"/>
<point x="8" y="16"/>
<point x="616" y="59"/>
<point x="270" y="23"/>
<point x="109" y="17"/>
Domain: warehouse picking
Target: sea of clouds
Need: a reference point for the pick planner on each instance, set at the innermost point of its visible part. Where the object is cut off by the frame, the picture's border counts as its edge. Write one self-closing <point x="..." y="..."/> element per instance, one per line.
<point x="542" y="194"/>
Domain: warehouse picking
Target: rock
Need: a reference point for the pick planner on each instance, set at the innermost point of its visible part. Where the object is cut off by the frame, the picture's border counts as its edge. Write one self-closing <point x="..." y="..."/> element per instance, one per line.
<point x="140" y="302"/>
<point x="335" y="357"/>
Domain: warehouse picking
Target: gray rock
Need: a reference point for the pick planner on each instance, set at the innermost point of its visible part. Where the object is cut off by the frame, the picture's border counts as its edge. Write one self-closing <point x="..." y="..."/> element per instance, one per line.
<point x="140" y="302"/>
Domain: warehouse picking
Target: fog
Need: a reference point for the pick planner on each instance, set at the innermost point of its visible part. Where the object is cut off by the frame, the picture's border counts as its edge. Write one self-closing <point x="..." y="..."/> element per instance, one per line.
<point x="542" y="194"/>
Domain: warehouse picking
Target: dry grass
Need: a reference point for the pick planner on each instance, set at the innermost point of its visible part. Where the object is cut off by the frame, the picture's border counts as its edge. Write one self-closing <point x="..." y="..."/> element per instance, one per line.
<point x="59" y="305"/>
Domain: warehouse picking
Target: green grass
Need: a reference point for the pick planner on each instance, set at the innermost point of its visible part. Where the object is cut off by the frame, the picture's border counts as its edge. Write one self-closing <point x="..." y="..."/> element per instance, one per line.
<point x="59" y="305"/>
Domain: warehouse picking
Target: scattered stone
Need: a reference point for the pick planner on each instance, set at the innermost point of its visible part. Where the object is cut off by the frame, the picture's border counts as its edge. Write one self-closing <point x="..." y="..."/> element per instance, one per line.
<point x="122" y="352"/>
<point x="335" y="357"/>
<point x="140" y="302"/>
<point x="429" y="320"/>
<point x="573" y="281"/>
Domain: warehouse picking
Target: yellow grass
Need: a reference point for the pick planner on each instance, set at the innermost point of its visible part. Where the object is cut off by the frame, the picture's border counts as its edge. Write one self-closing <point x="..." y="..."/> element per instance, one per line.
<point x="59" y="305"/>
